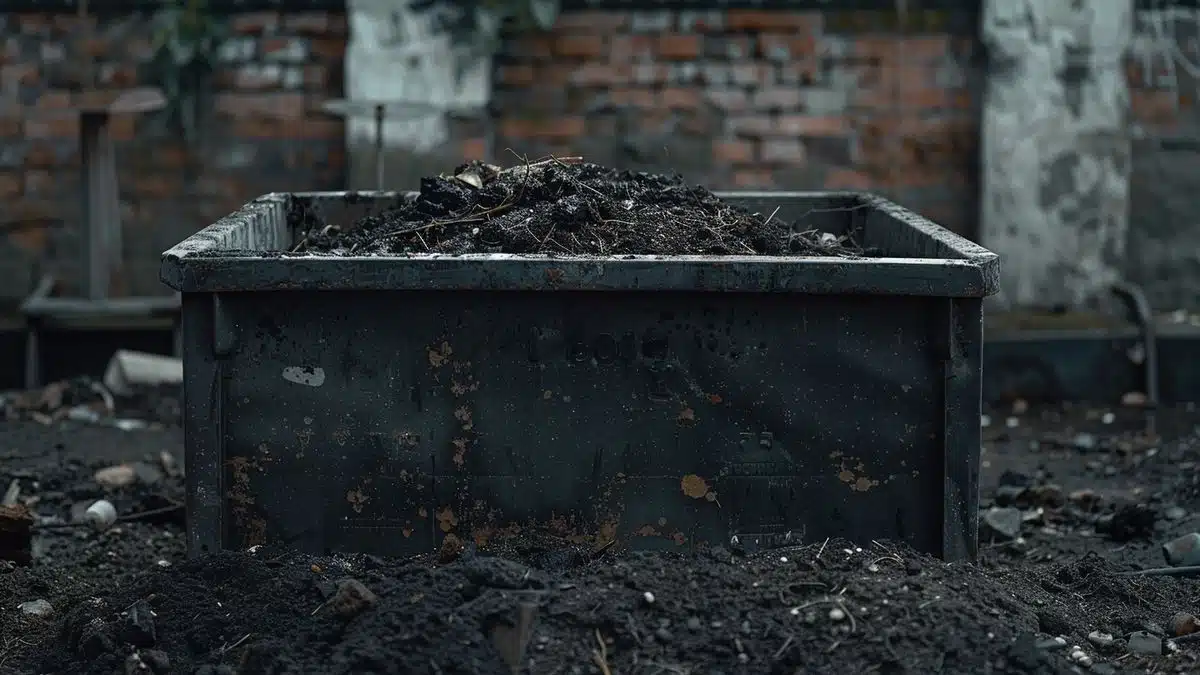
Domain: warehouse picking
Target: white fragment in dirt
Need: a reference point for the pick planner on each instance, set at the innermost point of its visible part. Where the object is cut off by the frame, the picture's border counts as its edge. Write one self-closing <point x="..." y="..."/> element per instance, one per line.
<point x="37" y="607"/>
<point x="828" y="239"/>
<point x="163" y="563"/>
<point x="254" y="549"/>
<point x="1012" y="423"/>
<point x="985" y="421"/>
<point x="308" y="376"/>
<point x="101" y="515"/>
<point x="1107" y="418"/>
<point x="1080" y="657"/>
<point x="783" y="558"/>
<point x="1100" y="639"/>
<point x="1142" y="642"/>
<point x="117" y="476"/>
<point x="82" y="413"/>
<point x="648" y="597"/>
<point x="837" y="614"/>
<point x="129" y="369"/>
<point x="130" y="425"/>
<point x="872" y="567"/>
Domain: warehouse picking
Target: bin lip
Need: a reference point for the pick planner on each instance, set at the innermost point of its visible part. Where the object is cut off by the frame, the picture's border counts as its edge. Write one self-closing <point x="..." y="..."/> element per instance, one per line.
<point x="202" y="264"/>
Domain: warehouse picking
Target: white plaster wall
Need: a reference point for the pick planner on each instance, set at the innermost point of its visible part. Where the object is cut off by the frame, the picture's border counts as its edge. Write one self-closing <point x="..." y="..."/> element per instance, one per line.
<point x="1055" y="147"/>
<point x="395" y="54"/>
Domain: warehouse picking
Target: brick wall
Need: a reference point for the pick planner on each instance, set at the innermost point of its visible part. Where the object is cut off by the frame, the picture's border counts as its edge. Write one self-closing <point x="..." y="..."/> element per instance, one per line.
<point x="795" y="100"/>
<point x="779" y="99"/>
<point x="264" y="131"/>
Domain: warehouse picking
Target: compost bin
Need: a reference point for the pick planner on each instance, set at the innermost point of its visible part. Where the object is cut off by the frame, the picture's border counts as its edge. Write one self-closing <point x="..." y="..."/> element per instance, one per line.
<point x="381" y="404"/>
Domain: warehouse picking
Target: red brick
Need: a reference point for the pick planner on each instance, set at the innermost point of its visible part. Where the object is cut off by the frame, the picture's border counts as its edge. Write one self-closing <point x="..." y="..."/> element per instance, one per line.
<point x="782" y="151"/>
<point x="157" y="185"/>
<point x="309" y="23"/>
<point x="748" y="74"/>
<point x="784" y="47"/>
<point x="66" y="126"/>
<point x="773" y="20"/>
<point x="11" y="185"/>
<point x="579" y="46"/>
<point x="753" y="178"/>
<point x="847" y="179"/>
<point x="255" y="23"/>
<point x="275" y="105"/>
<point x="628" y="48"/>
<point x="54" y="100"/>
<point x="516" y="76"/>
<point x="313" y="128"/>
<point x="40" y="184"/>
<point x="40" y="155"/>
<point x="733" y="152"/>
<point x="32" y="240"/>
<point x="729" y="100"/>
<point x="123" y="127"/>
<point x="331" y="49"/>
<point x="601" y="75"/>
<point x="680" y="98"/>
<point x="553" y="128"/>
<point x="650" y="73"/>
<point x="20" y="73"/>
<point x="925" y="48"/>
<point x="752" y="125"/>
<point x="679" y="47"/>
<point x="474" y="149"/>
<point x="592" y="21"/>
<point x="636" y="98"/>
<point x="810" y="125"/>
<point x="316" y="78"/>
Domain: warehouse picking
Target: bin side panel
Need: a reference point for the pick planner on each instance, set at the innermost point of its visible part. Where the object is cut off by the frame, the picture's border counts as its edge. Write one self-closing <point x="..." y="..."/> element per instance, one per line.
<point x="381" y="422"/>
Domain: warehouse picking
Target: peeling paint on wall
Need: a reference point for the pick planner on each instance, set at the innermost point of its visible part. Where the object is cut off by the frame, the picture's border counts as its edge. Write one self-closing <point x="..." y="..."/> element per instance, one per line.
<point x="397" y="54"/>
<point x="1056" y="152"/>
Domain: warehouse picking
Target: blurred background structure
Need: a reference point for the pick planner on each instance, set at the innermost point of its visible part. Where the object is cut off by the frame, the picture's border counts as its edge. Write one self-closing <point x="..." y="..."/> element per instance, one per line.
<point x="1060" y="134"/>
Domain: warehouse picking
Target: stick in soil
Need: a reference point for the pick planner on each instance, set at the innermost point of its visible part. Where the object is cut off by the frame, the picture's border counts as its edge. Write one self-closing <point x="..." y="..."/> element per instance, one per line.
<point x="600" y="656"/>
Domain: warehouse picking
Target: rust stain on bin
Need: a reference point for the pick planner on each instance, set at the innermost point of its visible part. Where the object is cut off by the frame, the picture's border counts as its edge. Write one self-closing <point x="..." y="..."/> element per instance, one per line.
<point x="694" y="486"/>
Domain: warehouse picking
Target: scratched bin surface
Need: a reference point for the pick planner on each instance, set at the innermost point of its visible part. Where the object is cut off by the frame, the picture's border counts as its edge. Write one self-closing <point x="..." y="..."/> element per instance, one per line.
<point x="381" y="404"/>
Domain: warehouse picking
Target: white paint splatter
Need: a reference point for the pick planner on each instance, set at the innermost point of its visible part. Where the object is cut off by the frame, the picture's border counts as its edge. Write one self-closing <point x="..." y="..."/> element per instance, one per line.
<point x="306" y="375"/>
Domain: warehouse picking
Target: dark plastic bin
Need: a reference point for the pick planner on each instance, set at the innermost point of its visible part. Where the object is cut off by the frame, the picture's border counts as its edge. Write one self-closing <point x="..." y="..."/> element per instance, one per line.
<point x="366" y="404"/>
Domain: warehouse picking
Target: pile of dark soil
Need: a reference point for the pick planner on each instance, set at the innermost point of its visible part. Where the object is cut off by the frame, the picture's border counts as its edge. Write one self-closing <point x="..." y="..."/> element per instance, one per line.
<point x="1052" y="596"/>
<point x="564" y="207"/>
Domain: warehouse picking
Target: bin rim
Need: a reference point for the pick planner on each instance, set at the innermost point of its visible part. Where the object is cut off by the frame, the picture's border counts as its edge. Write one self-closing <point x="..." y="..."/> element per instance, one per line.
<point x="203" y="263"/>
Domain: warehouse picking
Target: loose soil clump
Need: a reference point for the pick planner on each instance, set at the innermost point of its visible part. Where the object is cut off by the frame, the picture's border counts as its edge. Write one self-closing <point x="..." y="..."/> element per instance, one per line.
<point x="568" y="207"/>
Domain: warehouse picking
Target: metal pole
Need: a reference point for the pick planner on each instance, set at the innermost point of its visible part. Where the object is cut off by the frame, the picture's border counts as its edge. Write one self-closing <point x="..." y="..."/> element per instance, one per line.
<point x="378" y="146"/>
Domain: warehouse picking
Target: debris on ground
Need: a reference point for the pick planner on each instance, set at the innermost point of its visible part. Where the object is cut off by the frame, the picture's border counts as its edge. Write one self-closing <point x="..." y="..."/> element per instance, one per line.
<point x="564" y="206"/>
<point x="1053" y="592"/>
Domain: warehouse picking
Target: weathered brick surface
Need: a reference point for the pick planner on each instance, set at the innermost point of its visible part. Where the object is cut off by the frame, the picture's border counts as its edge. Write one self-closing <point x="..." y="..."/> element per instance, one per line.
<point x="756" y="99"/>
<point x="732" y="99"/>
<point x="264" y="131"/>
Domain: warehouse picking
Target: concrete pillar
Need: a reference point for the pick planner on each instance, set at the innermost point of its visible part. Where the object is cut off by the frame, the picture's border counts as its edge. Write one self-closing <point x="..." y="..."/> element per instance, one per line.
<point x="1055" y="147"/>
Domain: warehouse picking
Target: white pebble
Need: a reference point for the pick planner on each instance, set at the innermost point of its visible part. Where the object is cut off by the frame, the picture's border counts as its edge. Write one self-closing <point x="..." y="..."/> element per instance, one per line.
<point x="1108" y="418"/>
<point x="836" y="614"/>
<point x="1012" y="423"/>
<point x="101" y="515"/>
<point x="648" y="597"/>
<point x="985" y="421"/>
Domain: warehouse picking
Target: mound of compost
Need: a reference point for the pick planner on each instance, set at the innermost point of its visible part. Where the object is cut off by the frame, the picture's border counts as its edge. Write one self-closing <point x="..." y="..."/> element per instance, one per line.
<point x="564" y="207"/>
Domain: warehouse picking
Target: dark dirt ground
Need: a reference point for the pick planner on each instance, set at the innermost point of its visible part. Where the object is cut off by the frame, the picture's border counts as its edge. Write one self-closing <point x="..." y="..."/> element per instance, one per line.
<point x="567" y="207"/>
<point x="127" y="600"/>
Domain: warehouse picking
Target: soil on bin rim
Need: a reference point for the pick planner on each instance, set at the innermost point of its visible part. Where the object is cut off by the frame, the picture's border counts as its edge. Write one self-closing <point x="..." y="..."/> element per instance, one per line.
<point x="128" y="600"/>
<point x="567" y="207"/>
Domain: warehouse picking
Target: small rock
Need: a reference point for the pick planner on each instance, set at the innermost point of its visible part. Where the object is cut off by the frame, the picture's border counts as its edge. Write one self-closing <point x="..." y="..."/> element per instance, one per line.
<point x="694" y="623"/>
<point x="1050" y="495"/>
<point x="1008" y="495"/>
<point x="452" y="548"/>
<point x="1183" y="624"/>
<point x="1079" y="656"/>
<point x="837" y="614"/>
<point x="1183" y="551"/>
<point x="351" y="599"/>
<point x="1104" y="669"/>
<point x="1141" y="642"/>
<point x="135" y="666"/>
<point x="96" y="639"/>
<point x="158" y="661"/>
<point x="101" y="515"/>
<point x="117" y="476"/>
<point x="663" y="635"/>
<point x="37" y="607"/>
<point x="1100" y="639"/>
<point x="139" y="625"/>
<point x="147" y="474"/>
<point x="1084" y="441"/>
<point x="1085" y="499"/>
<point x="1175" y="513"/>
<point x="1128" y="522"/>
<point x="1002" y="522"/>
<point x="648" y="597"/>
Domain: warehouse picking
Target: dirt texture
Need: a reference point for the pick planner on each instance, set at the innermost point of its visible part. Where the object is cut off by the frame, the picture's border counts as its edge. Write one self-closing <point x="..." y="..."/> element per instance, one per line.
<point x="1096" y="498"/>
<point x="566" y="207"/>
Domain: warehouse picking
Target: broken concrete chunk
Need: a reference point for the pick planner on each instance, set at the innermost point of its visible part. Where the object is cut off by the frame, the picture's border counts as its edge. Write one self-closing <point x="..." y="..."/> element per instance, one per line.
<point x="1142" y="642"/>
<point x="1002" y="522"/>
<point x="128" y="370"/>
<point x="37" y="607"/>
<point x="351" y="599"/>
<point x="118" y="476"/>
<point x="1183" y="551"/>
